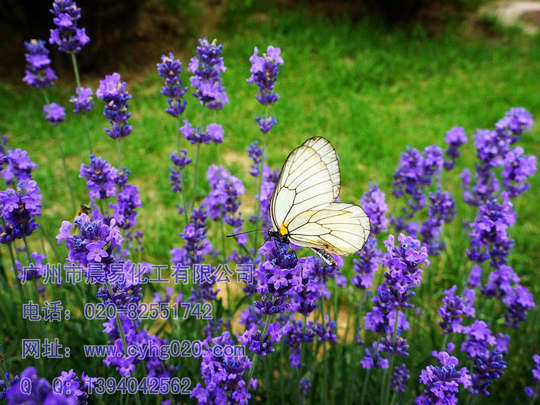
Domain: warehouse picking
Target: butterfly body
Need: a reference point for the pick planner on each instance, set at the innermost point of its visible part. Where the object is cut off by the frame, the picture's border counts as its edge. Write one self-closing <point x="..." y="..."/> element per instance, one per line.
<point x="304" y="210"/>
<point x="278" y="236"/>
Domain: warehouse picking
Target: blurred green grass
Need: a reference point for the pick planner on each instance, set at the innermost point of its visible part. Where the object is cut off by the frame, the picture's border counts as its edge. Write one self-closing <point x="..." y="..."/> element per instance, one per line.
<point x="369" y="89"/>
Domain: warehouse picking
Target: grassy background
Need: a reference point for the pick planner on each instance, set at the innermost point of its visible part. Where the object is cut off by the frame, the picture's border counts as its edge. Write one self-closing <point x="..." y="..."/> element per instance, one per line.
<point x="371" y="90"/>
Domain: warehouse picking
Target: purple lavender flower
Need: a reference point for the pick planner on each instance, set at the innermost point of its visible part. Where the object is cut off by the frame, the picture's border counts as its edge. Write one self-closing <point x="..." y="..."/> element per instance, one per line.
<point x="38" y="73"/>
<point x="35" y="390"/>
<point x="34" y="270"/>
<point x="516" y="121"/>
<point x="94" y="241"/>
<point x="176" y="173"/>
<point x="100" y="177"/>
<point x="135" y="336"/>
<point x="255" y="152"/>
<point x="415" y="172"/>
<point x="305" y="386"/>
<point x="409" y="173"/>
<point x="373" y="357"/>
<point x="266" y="124"/>
<point x="223" y="376"/>
<point x="125" y="280"/>
<point x="115" y="96"/>
<point x="260" y="342"/>
<point x="373" y="202"/>
<point x="223" y="200"/>
<point x="479" y="339"/>
<point x="534" y="391"/>
<point x="366" y="264"/>
<point x="493" y="150"/>
<point x="54" y="113"/>
<point x="489" y="231"/>
<point x="455" y="308"/>
<point x="67" y="36"/>
<point x="275" y="276"/>
<point x="488" y="363"/>
<point x="295" y="335"/>
<point x="82" y="101"/>
<point x="16" y="164"/>
<point x="197" y="246"/>
<point x="475" y="277"/>
<point x="399" y="379"/>
<point x="308" y="286"/>
<point x="72" y="387"/>
<point x="213" y="133"/>
<point x="442" y="382"/>
<point x="485" y="370"/>
<point x="195" y="249"/>
<point x="180" y="160"/>
<point x="489" y="146"/>
<point x="397" y="345"/>
<point x="403" y="275"/>
<point x="125" y="210"/>
<point x="170" y="69"/>
<point x="18" y="208"/>
<point x="326" y="331"/>
<point x="455" y="138"/>
<point x="503" y="283"/>
<point x="516" y="169"/>
<point x="518" y="302"/>
<point x="207" y="67"/>
<point x="264" y="71"/>
<point x="442" y="209"/>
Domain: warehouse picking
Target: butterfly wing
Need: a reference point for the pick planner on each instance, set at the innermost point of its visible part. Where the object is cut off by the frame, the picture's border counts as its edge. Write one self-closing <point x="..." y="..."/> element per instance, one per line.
<point x="304" y="184"/>
<point x="328" y="155"/>
<point x="337" y="228"/>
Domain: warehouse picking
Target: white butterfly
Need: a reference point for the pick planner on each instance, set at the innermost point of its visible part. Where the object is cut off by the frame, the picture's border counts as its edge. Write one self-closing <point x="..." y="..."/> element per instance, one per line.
<point x="303" y="208"/>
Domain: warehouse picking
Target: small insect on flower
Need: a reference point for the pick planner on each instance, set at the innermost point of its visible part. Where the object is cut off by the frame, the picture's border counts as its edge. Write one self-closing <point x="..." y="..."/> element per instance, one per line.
<point x="83" y="209"/>
<point x="304" y="210"/>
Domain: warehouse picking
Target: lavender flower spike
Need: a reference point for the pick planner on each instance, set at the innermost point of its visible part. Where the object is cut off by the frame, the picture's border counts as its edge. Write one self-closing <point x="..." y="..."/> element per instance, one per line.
<point x="170" y="70"/>
<point x="67" y="36"/>
<point x="112" y="90"/>
<point x="38" y="73"/>
<point x="442" y="382"/>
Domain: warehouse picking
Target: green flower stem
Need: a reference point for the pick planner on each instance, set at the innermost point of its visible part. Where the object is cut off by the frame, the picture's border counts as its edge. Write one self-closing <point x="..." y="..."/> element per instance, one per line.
<point x="119" y="322"/>
<point x="119" y="153"/>
<point x="364" y="387"/>
<point x="445" y="340"/>
<point x="324" y="382"/>
<point x="78" y="81"/>
<point x="391" y="366"/>
<point x="62" y="152"/>
<point x="223" y="261"/>
<point x="14" y="263"/>
<point x="44" y="235"/>
<point x="76" y="69"/>
<point x="182" y="173"/>
<point x="197" y="155"/>
<point x="266" y="319"/>
<point x="258" y="189"/>
<point x="29" y="257"/>
<point x="196" y="169"/>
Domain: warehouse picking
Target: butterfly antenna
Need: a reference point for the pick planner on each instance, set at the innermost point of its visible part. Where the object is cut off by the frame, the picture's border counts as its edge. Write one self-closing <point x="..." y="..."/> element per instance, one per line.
<point x="240" y="233"/>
